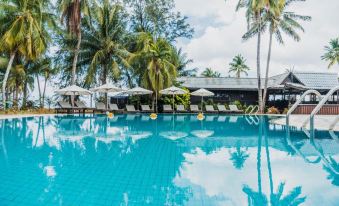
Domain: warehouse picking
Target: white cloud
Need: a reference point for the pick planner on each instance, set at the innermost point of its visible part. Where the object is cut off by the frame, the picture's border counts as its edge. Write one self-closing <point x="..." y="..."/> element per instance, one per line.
<point x="220" y="30"/>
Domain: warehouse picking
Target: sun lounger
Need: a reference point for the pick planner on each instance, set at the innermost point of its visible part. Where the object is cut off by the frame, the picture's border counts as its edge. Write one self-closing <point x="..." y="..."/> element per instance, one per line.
<point x="210" y="109"/>
<point x="222" y="109"/>
<point x="131" y="109"/>
<point x="82" y="106"/>
<point x="181" y="108"/>
<point x="115" y="108"/>
<point x="235" y="109"/>
<point x="65" y="106"/>
<point x="146" y="109"/>
<point x="100" y="107"/>
<point x="194" y="108"/>
<point x="167" y="108"/>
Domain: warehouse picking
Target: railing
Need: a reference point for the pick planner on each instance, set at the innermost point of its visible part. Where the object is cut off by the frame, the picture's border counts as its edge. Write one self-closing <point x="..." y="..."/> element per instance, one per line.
<point x="317" y="108"/>
<point x="295" y="105"/>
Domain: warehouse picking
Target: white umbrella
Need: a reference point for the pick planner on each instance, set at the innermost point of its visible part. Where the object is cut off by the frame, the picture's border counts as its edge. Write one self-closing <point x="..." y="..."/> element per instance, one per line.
<point x="107" y="88"/>
<point x="202" y="93"/>
<point x="173" y="91"/>
<point x="138" y="91"/>
<point x="72" y="91"/>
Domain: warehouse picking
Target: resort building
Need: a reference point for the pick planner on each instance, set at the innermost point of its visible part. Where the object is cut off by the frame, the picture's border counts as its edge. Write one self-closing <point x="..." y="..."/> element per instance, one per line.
<point x="282" y="89"/>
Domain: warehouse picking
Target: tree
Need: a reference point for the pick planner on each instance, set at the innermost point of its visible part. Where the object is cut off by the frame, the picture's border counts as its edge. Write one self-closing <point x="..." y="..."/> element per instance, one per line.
<point x="158" y="18"/>
<point x="102" y="47"/>
<point x="332" y="53"/>
<point x="71" y="16"/>
<point x="154" y="54"/>
<point x="254" y="16"/>
<point x="279" y="23"/>
<point x="181" y="62"/>
<point x="24" y="32"/>
<point x="238" y="66"/>
<point x="208" y="72"/>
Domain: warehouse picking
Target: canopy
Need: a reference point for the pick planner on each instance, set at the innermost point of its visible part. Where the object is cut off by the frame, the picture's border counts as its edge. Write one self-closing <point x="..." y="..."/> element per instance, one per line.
<point x="173" y="91"/>
<point x="138" y="91"/>
<point x="106" y="88"/>
<point x="73" y="90"/>
<point x="202" y="93"/>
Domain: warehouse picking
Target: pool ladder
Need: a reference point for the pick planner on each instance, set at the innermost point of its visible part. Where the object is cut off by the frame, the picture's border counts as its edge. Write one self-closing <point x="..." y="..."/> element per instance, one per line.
<point x="252" y="109"/>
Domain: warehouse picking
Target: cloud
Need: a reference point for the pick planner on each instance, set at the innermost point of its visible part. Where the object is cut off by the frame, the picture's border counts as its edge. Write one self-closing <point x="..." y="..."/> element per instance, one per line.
<point x="220" y="29"/>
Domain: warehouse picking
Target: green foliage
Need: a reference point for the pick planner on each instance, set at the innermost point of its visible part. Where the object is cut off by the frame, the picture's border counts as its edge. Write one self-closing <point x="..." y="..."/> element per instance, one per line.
<point x="238" y="66"/>
<point x="273" y="110"/>
<point x="208" y="72"/>
<point x="184" y="99"/>
<point x="238" y="103"/>
<point x="332" y="53"/>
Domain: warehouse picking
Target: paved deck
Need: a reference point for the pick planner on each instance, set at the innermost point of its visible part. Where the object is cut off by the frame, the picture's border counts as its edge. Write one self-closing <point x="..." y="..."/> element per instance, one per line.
<point x="321" y="122"/>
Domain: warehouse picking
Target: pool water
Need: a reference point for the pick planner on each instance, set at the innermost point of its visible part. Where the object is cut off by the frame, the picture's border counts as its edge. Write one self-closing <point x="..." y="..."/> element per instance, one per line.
<point x="173" y="160"/>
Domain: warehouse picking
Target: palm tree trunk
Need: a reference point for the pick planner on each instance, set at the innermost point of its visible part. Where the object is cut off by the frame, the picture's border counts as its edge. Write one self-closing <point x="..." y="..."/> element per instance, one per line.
<point x="74" y="64"/>
<point x="43" y="93"/>
<point x="24" y="96"/>
<point x="4" y="82"/>
<point x="39" y="89"/>
<point x="258" y="65"/>
<point x="267" y="70"/>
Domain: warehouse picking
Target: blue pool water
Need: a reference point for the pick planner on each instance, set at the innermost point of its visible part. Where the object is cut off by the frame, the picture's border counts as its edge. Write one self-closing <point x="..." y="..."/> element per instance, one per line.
<point x="174" y="160"/>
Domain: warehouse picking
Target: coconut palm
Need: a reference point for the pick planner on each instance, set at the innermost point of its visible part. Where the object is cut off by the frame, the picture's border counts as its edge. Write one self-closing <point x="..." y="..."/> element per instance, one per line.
<point x="155" y="55"/>
<point x="332" y="53"/>
<point x="238" y="66"/>
<point x="23" y="27"/>
<point x="208" y="72"/>
<point x="281" y="22"/>
<point x="71" y="11"/>
<point x="102" y="45"/>
<point x="254" y="15"/>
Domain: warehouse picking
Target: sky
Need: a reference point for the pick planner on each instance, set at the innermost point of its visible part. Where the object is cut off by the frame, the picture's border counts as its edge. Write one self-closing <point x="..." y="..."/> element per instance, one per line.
<point x="218" y="31"/>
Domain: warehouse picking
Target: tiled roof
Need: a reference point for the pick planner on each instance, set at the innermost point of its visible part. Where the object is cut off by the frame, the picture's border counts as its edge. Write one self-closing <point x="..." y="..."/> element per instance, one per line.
<point x="308" y="79"/>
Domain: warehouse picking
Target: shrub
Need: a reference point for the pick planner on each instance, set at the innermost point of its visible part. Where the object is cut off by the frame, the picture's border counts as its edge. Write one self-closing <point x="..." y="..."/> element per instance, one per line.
<point x="285" y="111"/>
<point x="273" y="110"/>
<point x="238" y="103"/>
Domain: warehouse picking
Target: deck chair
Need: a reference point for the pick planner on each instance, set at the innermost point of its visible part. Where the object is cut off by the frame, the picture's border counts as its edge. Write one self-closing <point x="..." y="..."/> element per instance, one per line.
<point x="115" y="108"/>
<point x="222" y="109"/>
<point x="65" y="106"/>
<point x="234" y="108"/>
<point x="146" y="109"/>
<point x="100" y="107"/>
<point x="181" y="108"/>
<point x="167" y="108"/>
<point x="194" y="108"/>
<point x="210" y="109"/>
<point x="82" y="106"/>
<point x="131" y="109"/>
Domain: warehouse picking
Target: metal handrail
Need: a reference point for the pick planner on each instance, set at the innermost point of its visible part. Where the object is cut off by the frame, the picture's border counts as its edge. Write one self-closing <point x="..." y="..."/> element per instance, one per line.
<point x="332" y="125"/>
<point x="255" y="107"/>
<point x="296" y="104"/>
<point x="318" y="107"/>
<point x="248" y="108"/>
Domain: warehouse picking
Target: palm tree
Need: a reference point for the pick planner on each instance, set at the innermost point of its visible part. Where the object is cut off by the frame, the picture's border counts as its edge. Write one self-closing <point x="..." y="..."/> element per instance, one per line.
<point x="332" y="53"/>
<point x="208" y="72"/>
<point x="281" y="22"/>
<point x="155" y="54"/>
<point x="24" y="32"/>
<point x="71" y="16"/>
<point x="238" y="65"/>
<point x="254" y="16"/>
<point x="102" y="44"/>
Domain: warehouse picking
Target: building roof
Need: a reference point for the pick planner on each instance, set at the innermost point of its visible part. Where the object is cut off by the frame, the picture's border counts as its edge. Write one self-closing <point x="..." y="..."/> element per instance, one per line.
<point x="305" y="80"/>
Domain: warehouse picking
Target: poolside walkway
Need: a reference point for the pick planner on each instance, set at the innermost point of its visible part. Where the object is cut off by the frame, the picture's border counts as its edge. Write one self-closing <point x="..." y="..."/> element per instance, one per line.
<point x="321" y="122"/>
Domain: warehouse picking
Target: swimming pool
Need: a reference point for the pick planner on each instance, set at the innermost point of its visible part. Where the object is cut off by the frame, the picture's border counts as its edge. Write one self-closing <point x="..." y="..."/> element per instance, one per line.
<point x="174" y="160"/>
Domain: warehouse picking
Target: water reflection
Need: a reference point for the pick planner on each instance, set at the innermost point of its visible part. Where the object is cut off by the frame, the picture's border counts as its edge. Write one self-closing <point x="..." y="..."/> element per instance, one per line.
<point x="174" y="160"/>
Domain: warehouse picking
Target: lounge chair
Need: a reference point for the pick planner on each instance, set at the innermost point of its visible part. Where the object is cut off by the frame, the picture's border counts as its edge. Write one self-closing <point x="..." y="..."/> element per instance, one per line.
<point x="115" y="108"/>
<point x="82" y="106"/>
<point x="146" y="109"/>
<point x="181" y="108"/>
<point x="100" y="107"/>
<point x="167" y="108"/>
<point x="222" y="109"/>
<point x="210" y="109"/>
<point x="194" y="108"/>
<point x="234" y="108"/>
<point x="65" y="106"/>
<point x="131" y="109"/>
